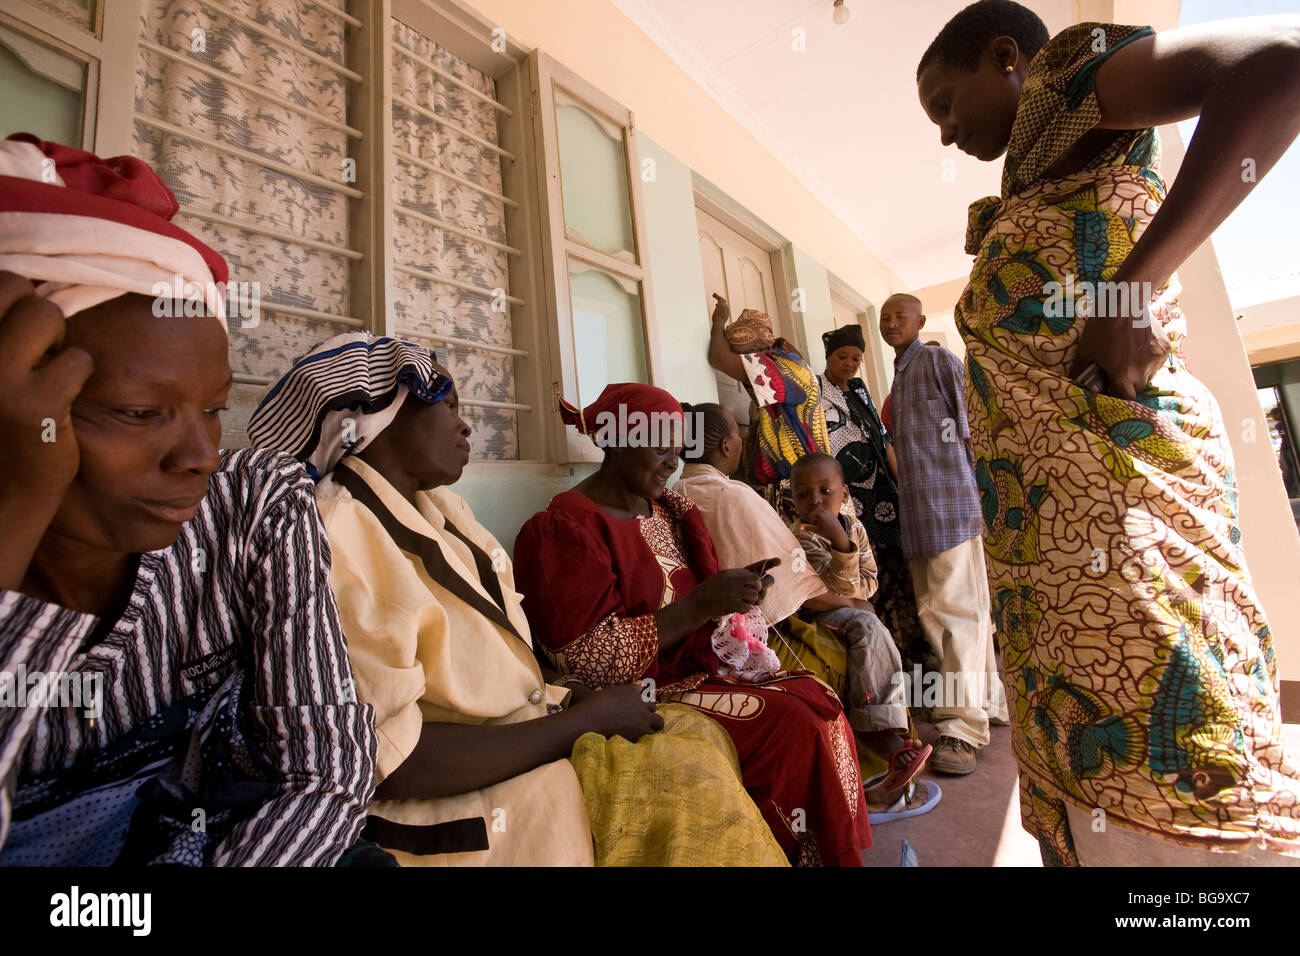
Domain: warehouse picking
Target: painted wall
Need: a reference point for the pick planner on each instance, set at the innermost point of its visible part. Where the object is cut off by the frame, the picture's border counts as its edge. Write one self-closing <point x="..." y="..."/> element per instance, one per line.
<point x="1277" y="343"/>
<point x="811" y="278"/>
<point x="677" y="276"/>
<point x="595" y="40"/>
<point x="504" y="497"/>
<point x="1271" y="330"/>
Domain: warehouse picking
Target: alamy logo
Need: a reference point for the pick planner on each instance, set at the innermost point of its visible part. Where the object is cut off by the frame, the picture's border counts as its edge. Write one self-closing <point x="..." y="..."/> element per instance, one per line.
<point x="181" y="297"/>
<point x="74" y="908"/>
<point x="23" y="688"/>
<point x="1103" y="299"/>
<point x="633" y="428"/>
<point x="950" y="689"/>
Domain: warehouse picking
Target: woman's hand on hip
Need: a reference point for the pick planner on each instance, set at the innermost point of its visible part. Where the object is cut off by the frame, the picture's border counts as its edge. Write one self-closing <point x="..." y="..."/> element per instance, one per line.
<point x="1126" y="343"/>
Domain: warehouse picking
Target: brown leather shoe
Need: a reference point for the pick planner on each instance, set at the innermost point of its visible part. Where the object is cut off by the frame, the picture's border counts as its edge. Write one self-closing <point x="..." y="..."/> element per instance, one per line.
<point x="952" y="756"/>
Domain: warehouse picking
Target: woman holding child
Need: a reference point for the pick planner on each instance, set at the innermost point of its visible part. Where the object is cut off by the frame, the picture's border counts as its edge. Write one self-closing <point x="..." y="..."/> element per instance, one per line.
<point x="621" y="582"/>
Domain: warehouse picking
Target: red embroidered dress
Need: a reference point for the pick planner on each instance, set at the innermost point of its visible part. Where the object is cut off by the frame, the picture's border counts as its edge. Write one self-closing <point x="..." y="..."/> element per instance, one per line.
<point x="592" y="584"/>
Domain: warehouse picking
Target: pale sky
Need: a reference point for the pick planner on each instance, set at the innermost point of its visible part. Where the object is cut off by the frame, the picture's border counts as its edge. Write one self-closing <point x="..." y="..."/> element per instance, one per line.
<point x="1258" y="245"/>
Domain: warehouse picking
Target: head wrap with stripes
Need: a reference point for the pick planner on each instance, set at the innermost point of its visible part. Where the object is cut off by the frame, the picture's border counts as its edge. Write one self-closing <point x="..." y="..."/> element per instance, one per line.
<point x="339" y="396"/>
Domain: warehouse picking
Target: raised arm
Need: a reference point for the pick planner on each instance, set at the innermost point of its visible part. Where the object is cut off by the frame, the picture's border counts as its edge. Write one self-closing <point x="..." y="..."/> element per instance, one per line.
<point x="720" y="355"/>
<point x="38" y="381"/>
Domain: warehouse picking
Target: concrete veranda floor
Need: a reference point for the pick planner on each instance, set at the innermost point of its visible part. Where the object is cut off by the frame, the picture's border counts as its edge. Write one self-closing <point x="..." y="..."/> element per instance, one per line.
<point x="977" y="823"/>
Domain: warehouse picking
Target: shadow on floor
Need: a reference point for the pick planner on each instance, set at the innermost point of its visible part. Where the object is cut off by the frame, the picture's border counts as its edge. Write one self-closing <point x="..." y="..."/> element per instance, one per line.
<point x="977" y="823"/>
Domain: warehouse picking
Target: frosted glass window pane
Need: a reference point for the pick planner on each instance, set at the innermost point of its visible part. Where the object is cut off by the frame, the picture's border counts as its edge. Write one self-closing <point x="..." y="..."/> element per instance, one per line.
<point x="608" y="336"/>
<point x="42" y="90"/>
<point x="593" y="178"/>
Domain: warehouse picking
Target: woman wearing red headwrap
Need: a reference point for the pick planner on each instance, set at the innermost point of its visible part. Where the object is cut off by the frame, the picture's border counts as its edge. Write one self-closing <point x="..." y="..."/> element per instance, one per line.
<point x="621" y="583"/>
<point x="169" y="600"/>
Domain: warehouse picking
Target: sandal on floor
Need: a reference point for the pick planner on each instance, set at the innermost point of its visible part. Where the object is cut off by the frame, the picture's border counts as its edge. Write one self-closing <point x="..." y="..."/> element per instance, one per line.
<point x="875" y="780"/>
<point x="901" y="775"/>
<point x="906" y="805"/>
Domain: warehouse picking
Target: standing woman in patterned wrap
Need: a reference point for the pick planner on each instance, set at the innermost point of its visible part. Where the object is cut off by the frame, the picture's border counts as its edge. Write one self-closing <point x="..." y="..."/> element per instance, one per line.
<point x="786" y="420"/>
<point x="1144" y="684"/>
<point x="865" y="451"/>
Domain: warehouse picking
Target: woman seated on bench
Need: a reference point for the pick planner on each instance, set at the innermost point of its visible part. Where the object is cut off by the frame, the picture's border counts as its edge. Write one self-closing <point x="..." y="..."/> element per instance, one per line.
<point x="622" y="583"/>
<point x="473" y="739"/>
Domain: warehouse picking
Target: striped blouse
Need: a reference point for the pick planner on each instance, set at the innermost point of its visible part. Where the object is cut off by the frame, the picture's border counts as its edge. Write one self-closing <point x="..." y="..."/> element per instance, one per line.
<point x="238" y="610"/>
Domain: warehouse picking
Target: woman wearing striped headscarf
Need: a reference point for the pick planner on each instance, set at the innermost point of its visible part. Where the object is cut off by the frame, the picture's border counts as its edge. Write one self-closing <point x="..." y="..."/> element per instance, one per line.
<point x="474" y="738"/>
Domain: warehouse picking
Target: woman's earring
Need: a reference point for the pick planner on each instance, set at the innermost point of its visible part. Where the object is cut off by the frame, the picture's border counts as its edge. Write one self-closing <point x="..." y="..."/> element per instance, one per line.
<point x="1008" y="69"/>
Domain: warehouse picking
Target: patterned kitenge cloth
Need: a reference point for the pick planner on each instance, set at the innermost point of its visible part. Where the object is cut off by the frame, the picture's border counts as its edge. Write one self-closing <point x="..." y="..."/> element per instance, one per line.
<point x="1138" y="661"/>
<point x="790" y="421"/>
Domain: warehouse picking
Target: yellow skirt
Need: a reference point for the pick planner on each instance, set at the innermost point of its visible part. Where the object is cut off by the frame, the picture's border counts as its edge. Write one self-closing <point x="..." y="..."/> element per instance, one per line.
<point x="672" y="799"/>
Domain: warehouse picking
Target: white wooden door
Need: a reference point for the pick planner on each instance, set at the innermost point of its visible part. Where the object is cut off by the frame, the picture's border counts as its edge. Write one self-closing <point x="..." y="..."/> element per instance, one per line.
<point x="741" y="272"/>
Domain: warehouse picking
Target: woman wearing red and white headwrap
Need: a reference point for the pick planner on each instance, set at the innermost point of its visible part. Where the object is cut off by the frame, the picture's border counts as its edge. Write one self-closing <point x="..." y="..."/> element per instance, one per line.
<point x="85" y="230"/>
<point x="169" y="602"/>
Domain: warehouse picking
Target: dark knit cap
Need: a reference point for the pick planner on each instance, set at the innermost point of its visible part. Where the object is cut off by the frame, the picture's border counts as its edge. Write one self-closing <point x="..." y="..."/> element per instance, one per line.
<point x="845" y="335"/>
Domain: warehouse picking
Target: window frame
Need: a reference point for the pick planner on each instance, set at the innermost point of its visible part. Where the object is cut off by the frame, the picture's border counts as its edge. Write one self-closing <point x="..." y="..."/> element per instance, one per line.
<point x="542" y="328"/>
<point x="558" y="247"/>
<point x="107" y="51"/>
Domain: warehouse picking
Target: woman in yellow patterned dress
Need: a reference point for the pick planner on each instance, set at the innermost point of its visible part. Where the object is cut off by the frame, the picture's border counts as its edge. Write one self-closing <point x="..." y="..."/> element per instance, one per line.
<point x="1138" y="660"/>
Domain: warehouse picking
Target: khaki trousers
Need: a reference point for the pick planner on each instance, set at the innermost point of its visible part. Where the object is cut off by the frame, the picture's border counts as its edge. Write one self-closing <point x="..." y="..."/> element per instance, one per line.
<point x="952" y="601"/>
